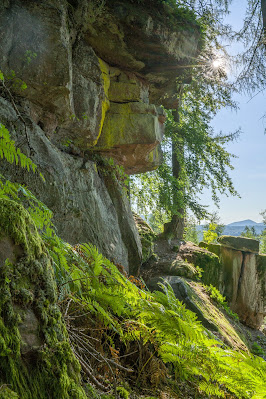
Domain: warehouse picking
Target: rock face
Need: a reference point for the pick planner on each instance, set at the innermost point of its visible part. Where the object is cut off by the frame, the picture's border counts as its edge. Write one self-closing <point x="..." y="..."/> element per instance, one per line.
<point x="91" y="71"/>
<point x="240" y="275"/>
<point x="242" y="278"/>
<point x="240" y="243"/>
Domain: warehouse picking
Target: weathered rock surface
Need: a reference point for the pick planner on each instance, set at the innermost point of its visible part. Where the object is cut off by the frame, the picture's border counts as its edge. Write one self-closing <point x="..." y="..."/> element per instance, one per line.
<point x="242" y="278"/>
<point x="166" y="261"/>
<point x="84" y="209"/>
<point x="240" y="243"/>
<point x="130" y="133"/>
<point x="90" y="70"/>
<point x="66" y="54"/>
<point x="243" y="286"/>
<point x="147" y="237"/>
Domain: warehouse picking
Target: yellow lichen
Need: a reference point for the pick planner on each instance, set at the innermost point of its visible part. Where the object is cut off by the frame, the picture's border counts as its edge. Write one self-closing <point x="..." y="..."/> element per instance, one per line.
<point x="105" y="103"/>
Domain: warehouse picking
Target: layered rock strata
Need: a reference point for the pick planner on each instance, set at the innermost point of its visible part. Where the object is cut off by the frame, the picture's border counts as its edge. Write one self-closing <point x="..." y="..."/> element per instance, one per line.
<point x="91" y="70"/>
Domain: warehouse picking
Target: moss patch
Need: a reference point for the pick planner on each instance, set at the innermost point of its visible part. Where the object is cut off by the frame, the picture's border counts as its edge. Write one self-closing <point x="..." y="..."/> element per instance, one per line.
<point x="16" y="223"/>
<point x="38" y="363"/>
<point x="147" y="237"/>
<point x="210" y="264"/>
<point x="225" y="325"/>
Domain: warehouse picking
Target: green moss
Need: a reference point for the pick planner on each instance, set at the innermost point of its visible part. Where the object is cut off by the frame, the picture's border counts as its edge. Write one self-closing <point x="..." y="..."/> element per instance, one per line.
<point x="210" y="265"/>
<point x="123" y="393"/>
<point x="114" y="128"/>
<point x="48" y="368"/>
<point x="257" y="350"/>
<point x="6" y="393"/>
<point x="226" y="328"/>
<point x="147" y="237"/>
<point x="16" y="223"/>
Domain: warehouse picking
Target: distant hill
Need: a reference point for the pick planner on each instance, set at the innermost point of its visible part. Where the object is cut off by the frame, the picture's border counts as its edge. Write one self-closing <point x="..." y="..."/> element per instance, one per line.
<point x="247" y="222"/>
<point x="236" y="228"/>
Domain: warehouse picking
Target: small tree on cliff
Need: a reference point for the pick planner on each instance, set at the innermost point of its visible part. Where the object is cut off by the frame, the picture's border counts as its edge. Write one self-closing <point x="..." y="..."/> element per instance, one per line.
<point x="194" y="156"/>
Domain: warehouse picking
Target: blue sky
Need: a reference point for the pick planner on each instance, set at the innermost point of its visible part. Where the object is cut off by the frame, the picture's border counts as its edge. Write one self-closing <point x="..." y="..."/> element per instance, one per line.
<point x="249" y="175"/>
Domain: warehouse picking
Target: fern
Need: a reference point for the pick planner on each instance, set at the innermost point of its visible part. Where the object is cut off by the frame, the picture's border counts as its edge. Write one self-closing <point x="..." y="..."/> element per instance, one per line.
<point x="93" y="284"/>
<point x="11" y="154"/>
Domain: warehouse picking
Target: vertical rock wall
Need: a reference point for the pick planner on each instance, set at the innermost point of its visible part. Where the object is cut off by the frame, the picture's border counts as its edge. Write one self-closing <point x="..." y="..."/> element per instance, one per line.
<point x="90" y="69"/>
<point x="242" y="277"/>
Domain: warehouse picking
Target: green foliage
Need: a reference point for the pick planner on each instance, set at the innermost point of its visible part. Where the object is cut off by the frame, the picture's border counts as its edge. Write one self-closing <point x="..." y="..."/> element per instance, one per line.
<point x="29" y="56"/>
<point x="203" y="159"/>
<point x="262" y="239"/>
<point x="210" y="235"/>
<point x="123" y="393"/>
<point x="220" y="300"/>
<point x="108" y="167"/>
<point x="94" y="285"/>
<point x="249" y="232"/>
<point x="12" y="81"/>
<point x="256" y="349"/>
<point x="191" y="233"/>
<point x="10" y="153"/>
<point x="158" y="318"/>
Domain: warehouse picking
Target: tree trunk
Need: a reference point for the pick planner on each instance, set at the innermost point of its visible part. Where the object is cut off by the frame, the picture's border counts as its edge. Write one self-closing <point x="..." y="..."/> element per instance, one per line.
<point x="175" y="228"/>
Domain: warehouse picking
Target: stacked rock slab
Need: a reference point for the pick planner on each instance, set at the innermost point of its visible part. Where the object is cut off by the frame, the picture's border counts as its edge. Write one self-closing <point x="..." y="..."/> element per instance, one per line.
<point x="91" y="69"/>
<point x="242" y="277"/>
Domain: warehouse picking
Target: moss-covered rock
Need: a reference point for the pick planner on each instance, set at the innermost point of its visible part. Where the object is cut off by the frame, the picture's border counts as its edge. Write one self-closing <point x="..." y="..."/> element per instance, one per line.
<point x="205" y="260"/>
<point x="17" y="224"/>
<point x="240" y="243"/>
<point x="196" y="298"/>
<point x="36" y="358"/>
<point x="147" y="237"/>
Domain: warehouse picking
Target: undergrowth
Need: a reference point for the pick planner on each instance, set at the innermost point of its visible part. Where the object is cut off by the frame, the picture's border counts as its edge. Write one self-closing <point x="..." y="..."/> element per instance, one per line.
<point x="220" y="300"/>
<point x="120" y="332"/>
<point x="157" y="324"/>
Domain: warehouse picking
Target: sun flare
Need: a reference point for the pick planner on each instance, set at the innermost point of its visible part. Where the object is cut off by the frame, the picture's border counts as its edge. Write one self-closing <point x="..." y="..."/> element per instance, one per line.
<point x="217" y="63"/>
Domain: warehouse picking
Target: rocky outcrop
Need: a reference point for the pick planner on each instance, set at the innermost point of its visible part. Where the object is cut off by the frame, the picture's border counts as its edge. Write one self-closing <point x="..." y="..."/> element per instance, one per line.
<point x="86" y="207"/>
<point x="239" y="275"/>
<point x="242" y="277"/>
<point x="196" y="299"/>
<point x="91" y="71"/>
<point x="240" y="243"/>
<point x="36" y="357"/>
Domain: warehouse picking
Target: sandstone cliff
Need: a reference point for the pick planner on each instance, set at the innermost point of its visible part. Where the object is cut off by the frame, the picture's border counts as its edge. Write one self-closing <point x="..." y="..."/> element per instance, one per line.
<point x="96" y="74"/>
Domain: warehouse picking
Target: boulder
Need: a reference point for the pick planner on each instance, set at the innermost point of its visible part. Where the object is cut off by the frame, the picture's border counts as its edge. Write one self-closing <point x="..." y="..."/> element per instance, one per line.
<point x="240" y="243"/>
<point x="196" y="299"/>
<point x="207" y="261"/>
<point x="147" y="237"/>
<point x="242" y="278"/>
